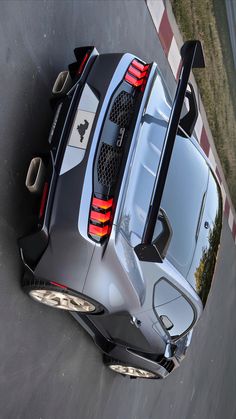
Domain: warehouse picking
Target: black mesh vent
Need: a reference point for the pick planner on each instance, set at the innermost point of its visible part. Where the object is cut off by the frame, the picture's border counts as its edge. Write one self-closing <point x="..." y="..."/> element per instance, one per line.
<point x="168" y="364"/>
<point x="108" y="164"/>
<point x="122" y="109"/>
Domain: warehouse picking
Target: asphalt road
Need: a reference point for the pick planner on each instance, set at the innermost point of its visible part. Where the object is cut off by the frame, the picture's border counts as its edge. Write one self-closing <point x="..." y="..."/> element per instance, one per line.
<point x="49" y="367"/>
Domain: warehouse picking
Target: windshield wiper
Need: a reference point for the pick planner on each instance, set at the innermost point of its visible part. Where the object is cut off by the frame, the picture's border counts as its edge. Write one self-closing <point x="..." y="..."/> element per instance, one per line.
<point x="200" y="216"/>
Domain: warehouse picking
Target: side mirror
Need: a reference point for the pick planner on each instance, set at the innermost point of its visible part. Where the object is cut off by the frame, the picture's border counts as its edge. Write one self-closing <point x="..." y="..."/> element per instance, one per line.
<point x="167" y="322"/>
<point x="156" y="251"/>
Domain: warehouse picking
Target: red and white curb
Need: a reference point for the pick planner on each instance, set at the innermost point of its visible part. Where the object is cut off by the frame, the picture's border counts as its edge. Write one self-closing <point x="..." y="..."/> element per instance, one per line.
<point x="165" y="32"/>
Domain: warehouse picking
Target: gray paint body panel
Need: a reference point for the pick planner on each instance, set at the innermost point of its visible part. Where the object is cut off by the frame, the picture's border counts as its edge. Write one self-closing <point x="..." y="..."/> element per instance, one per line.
<point x="68" y="255"/>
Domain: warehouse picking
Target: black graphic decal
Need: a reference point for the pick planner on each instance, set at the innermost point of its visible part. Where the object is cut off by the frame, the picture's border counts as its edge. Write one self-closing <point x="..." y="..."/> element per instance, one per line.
<point x="82" y="129"/>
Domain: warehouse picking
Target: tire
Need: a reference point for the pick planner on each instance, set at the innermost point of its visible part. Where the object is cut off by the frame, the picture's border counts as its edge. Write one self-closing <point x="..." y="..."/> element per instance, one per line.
<point x="60" y="298"/>
<point x="131" y="371"/>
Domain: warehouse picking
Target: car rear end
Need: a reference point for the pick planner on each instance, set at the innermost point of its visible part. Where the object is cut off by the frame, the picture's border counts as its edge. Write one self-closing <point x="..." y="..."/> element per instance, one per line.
<point x="90" y="141"/>
<point x="78" y="257"/>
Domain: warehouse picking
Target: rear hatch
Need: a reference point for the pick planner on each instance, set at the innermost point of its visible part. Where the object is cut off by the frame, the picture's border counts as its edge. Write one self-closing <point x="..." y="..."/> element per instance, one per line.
<point x="185" y="189"/>
<point x="137" y="184"/>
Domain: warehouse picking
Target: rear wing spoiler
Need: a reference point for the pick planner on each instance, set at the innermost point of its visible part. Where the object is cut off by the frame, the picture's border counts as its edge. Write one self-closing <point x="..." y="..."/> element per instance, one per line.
<point x="192" y="57"/>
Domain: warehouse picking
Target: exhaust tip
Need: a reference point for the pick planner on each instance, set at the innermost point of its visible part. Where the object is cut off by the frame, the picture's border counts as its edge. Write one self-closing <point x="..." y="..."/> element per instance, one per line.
<point x="62" y="83"/>
<point x="35" y="175"/>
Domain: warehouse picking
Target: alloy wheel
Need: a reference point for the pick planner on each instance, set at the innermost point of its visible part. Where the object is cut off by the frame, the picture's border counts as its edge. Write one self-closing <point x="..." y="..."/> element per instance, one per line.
<point x="62" y="300"/>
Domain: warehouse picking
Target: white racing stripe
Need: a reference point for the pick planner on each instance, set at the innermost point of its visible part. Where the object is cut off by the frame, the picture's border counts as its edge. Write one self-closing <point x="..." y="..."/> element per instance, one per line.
<point x="198" y="127"/>
<point x="174" y="57"/>
<point x="212" y="160"/>
<point x="223" y="194"/>
<point x="231" y="219"/>
<point x="156" y="8"/>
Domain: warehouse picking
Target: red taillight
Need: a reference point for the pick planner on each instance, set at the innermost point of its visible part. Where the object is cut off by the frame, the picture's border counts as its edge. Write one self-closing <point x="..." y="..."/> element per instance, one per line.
<point x="137" y="74"/>
<point x="81" y="67"/>
<point x="43" y="200"/>
<point x="98" y="231"/>
<point x="102" y="203"/>
<point x="100" y="218"/>
<point x="132" y="80"/>
<point x="140" y="66"/>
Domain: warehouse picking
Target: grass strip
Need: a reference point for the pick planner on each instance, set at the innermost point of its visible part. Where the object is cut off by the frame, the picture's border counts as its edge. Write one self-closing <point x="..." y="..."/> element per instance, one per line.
<point x="206" y="20"/>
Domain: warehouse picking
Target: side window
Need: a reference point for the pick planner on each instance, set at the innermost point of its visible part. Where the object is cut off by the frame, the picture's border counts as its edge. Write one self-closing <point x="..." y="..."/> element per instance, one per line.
<point x="174" y="311"/>
<point x="164" y="292"/>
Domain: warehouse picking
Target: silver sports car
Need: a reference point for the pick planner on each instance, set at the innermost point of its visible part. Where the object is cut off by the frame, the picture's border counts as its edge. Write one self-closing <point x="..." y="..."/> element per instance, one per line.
<point x="129" y="210"/>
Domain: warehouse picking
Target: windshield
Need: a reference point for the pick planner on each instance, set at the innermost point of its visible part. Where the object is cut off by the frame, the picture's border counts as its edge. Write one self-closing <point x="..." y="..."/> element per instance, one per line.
<point x="202" y="268"/>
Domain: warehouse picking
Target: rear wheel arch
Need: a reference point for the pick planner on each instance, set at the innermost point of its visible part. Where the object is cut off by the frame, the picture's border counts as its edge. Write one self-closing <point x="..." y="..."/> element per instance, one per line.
<point x="58" y="296"/>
